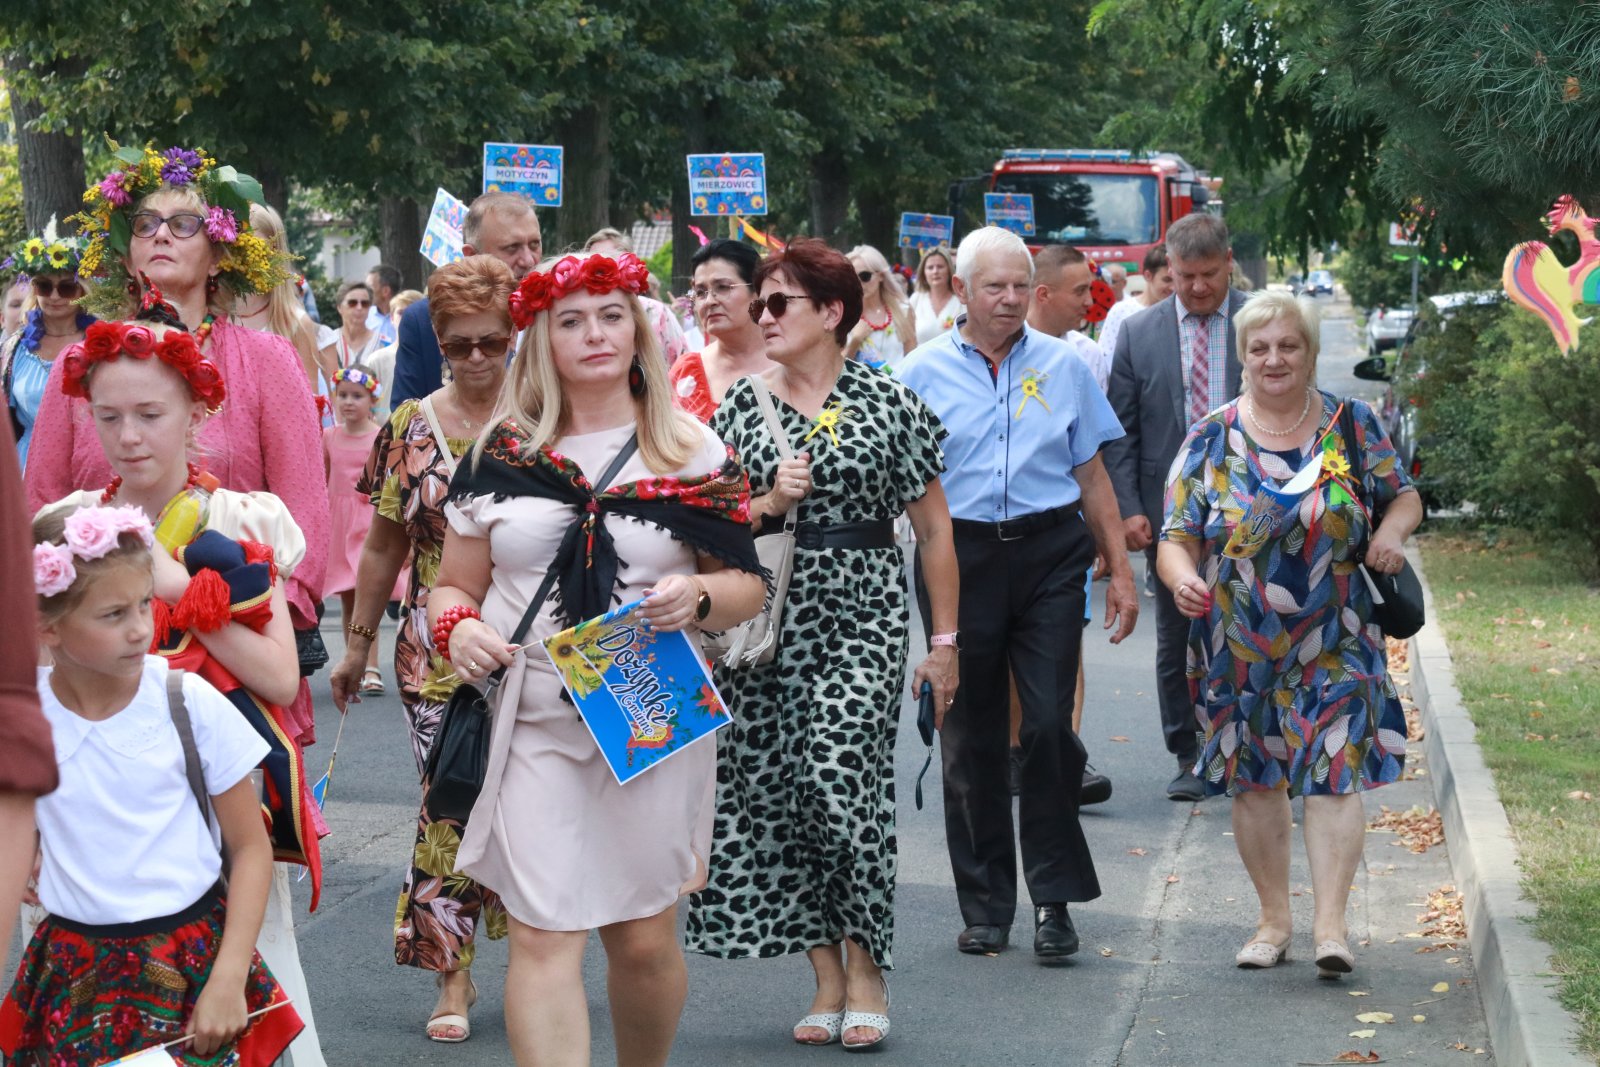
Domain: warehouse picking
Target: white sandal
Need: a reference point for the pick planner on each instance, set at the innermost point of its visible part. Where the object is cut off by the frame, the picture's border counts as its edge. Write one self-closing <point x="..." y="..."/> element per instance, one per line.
<point x="873" y="1019"/>
<point x="436" y="1025"/>
<point x="831" y="1021"/>
<point x="1259" y="955"/>
<point x="1334" y="959"/>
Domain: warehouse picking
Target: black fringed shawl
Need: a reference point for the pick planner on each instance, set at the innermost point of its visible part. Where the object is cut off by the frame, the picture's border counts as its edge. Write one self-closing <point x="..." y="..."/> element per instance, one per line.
<point x="710" y="513"/>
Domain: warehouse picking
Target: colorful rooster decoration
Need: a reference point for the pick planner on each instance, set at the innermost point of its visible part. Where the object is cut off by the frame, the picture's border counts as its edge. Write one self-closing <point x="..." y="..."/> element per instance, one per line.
<point x="1535" y="279"/>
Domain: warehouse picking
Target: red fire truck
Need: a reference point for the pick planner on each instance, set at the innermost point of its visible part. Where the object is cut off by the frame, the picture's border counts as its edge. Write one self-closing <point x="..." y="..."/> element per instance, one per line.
<point x="1111" y="204"/>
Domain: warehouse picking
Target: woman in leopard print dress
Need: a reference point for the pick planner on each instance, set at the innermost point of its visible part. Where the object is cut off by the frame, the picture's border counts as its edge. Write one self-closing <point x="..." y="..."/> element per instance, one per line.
<point x="803" y="858"/>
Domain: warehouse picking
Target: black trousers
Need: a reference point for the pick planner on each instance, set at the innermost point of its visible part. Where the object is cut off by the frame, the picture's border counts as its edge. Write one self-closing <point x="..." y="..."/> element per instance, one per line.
<point x="1021" y="616"/>
<point x="1172" y="684"/>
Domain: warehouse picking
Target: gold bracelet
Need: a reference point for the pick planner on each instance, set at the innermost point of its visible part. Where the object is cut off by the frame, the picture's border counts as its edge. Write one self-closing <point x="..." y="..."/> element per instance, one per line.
<point x="361" y="631"/>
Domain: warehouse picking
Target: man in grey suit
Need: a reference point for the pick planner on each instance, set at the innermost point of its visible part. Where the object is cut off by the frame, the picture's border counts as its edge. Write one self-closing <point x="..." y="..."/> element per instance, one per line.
<point x="1174" y="362"/>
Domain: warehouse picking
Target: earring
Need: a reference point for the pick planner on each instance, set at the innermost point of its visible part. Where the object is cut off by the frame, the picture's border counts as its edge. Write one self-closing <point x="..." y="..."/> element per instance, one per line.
<point x="211" y="286"/>
<point x="636" y="378"/>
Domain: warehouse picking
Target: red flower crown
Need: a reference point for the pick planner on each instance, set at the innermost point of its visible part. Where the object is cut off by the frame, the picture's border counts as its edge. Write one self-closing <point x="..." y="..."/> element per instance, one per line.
<point x="597" y="274"/>
<point x="106" y="341"/>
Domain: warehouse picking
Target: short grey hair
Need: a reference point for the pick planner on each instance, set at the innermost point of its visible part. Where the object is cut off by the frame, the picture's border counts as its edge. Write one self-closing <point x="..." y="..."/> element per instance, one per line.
<point x="987" y="239"/>
<point x="1268" y="306"/>
<point x="1198" y="236"/>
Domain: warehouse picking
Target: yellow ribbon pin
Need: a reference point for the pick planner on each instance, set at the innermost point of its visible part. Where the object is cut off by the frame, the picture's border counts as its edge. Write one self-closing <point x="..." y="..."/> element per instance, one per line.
<point x="828" y="419"/>
<point x="1030" y="391"/>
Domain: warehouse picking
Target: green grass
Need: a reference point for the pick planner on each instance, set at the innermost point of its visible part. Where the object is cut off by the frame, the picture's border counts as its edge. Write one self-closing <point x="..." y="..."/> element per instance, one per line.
<point x="1524" y="632"/>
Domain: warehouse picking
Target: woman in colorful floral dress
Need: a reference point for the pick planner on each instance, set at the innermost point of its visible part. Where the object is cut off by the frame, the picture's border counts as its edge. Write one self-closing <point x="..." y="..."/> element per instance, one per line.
<point x="407" y="479"/>
<point x="1286" y="666"/>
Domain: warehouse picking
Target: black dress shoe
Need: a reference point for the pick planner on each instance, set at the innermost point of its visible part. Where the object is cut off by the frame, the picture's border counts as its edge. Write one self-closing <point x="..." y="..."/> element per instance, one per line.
<point x="1186" y="786"/>
<point x="1053" y="935"/>
<point x="1096" y="788"/>
<point x="983" y="940"/>
<point x="1014" y="771"/>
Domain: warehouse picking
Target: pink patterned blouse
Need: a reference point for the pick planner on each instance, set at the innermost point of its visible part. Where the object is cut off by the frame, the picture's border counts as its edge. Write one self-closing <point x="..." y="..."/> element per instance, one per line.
<point x="266" y="437"/>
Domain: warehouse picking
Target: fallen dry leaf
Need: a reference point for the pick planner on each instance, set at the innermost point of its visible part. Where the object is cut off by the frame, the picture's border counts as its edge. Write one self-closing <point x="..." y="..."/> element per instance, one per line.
<point x="1363" y="1034"/>
<point x="1419" y="1018"/>
<point x="1359" y="993"/>
<point x="1578" y="794"/>
<point x="1119" y="737"/>
<point x="1356" y="1057"/>
<point x="1137" y="852"/>
<point x="1417" y="829"/>
<point x="1440" y="987"/>
<point x="1375" y="1017"/>
<point x="1107" y="953"/>
<point x="1171" y="878"/>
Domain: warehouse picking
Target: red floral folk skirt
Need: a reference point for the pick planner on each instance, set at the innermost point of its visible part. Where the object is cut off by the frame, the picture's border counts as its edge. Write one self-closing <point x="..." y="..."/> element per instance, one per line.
<point x="90" y="994"/>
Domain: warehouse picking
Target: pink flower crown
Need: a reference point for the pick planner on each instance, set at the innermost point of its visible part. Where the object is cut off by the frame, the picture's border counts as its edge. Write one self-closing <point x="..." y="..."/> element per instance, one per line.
<point x="598" y="274"/>
<point x="106" y="341"/>
<point x="356" y="376"/>
<point x="91" y="533"/>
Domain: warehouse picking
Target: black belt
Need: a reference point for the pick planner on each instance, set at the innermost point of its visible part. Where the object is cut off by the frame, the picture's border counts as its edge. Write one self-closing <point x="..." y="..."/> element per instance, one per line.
<point x="878" y="533"/>
<point x="1015" y="529"/>
<point x="160" y="924"/>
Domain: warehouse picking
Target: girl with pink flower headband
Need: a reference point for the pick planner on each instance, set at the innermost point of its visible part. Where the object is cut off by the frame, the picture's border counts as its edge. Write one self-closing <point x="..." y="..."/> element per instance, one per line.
<point x="149" y="758"/>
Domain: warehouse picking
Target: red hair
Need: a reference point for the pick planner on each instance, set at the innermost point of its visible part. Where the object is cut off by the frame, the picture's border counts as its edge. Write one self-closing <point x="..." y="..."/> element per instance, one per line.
<point x="823" y="274"/>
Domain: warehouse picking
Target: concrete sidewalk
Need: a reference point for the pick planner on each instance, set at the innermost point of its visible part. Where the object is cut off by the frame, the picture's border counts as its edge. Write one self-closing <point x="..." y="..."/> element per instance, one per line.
<point x="1154" y="985"/>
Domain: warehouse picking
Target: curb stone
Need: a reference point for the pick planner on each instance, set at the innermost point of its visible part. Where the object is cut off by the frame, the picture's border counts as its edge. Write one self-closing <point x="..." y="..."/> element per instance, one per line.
<point x="1527" y="1025"/>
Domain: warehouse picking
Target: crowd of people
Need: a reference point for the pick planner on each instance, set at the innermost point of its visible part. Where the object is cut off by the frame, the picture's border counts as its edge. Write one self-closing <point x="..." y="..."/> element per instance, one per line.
<point x="533" y="441"/>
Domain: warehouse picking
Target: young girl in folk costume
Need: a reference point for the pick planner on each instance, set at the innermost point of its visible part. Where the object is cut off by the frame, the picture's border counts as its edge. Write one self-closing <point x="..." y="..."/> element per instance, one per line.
<point x="144" y="944"/>
<point x="346" y="447"/>
<point x="223" y="557"/>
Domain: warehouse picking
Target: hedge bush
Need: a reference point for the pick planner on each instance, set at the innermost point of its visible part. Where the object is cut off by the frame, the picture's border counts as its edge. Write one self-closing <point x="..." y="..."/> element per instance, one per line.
<point x="1510" y="423"/>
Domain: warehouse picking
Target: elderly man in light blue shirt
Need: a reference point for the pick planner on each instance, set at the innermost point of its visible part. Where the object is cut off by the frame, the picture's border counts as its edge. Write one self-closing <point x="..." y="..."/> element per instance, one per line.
<point x="1031" y="504"/>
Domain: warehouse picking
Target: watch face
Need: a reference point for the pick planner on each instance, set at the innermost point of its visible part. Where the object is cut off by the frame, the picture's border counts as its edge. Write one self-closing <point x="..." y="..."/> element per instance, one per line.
<point x="702" y="607"/>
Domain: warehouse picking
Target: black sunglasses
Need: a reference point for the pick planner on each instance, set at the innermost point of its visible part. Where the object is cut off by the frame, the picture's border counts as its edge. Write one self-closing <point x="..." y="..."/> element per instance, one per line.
<point x="865" y="275"/>
<point x="491" y="347"/>
<point x="148" y="224"/>
<point x="357" y="302"/>
<point x="777" y="303"/>
<point x="67" y="288"/>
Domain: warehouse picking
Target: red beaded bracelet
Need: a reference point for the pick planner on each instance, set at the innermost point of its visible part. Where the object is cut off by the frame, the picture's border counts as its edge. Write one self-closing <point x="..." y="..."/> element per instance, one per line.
<point x="446" y="622"/>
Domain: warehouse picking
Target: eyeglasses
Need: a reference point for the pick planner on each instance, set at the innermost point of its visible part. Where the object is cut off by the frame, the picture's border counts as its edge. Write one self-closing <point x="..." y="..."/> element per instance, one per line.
<point x="66" y="288"/>
<point x="148" y="224"/>
<point x="357" y="302"/>
<point x="491" y="347"/>
<point x="777" y="303"/>
<point x="866" y="275"/>
<point x="721" y="290"/>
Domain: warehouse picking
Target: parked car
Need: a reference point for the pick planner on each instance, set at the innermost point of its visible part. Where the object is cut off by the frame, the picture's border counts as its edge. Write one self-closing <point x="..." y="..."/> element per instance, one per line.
<point x="1398" y="407"/>
<point x="1319" y="281"/>
<point x="1387" y="327"/>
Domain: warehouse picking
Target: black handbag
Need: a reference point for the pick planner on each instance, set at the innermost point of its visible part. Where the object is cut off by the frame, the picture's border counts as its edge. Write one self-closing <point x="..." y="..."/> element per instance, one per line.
<point x="458" y="759"/>
<point x="1396" y="598"/>
<point x="311" y="650"/>
<point x="925" y="727"/>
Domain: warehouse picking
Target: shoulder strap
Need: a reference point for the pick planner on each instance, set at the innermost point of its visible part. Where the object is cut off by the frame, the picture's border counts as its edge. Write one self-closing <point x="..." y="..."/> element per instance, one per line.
<point x="1353" y="452"/>
<point x="438" y="435"/>
<point x="770" y="414"/>
<point x="618" y="461"/>
<point x="191" y="755"/>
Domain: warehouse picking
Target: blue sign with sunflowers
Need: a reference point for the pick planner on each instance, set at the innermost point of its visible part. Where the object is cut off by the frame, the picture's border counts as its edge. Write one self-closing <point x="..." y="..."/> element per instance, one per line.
<point x="728" y="183"/>
<point x="533" y="170"/>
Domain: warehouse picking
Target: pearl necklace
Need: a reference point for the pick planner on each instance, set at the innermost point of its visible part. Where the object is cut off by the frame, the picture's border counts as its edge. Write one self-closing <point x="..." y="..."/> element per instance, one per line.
<point x="1250" y="408"/>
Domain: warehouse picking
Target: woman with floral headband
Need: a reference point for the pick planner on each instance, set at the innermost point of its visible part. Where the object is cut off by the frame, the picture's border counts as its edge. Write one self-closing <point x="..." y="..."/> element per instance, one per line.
<point x="220" y="609"/>
<point x="180" y="222"/>
<point x="594" y="488"/>
<point x="52" y="322"/>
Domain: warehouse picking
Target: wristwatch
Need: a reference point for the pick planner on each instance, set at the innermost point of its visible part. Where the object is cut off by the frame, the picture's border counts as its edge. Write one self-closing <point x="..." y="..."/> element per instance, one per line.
<point x="702" y="604"/>
<point x="945" y="640"/>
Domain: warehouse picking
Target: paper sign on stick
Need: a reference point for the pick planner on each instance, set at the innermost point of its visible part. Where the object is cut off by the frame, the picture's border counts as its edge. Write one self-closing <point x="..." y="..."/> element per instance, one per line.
<point x="532" y="170"/>
<point x="441" y="239"/>
<point x="1009" y="211"/>
<point x="728" y="183"/>
<point x="645" y="695"/>
<point x="926" y="231"/>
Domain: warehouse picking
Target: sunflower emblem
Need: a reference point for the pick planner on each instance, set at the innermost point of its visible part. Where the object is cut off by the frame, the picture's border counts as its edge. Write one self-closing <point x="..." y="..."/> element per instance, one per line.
<point x="59" y="256"/>
<point x="1336" y="465"/>
<point x="576" y="671"/>
<point x="34" y="248"/>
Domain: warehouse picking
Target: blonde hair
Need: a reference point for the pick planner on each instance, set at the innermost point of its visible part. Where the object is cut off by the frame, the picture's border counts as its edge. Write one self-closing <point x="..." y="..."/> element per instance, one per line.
<point x="402" y="300"/>
<point x="286" y="315"/>
<point x="944" y="253"/>
<point x="49" y="528"/>
<point x="534" y="397"/>
<point x="888" y="291"/>
<point x="219" y="303"/>
<point x="1268" y="306"/>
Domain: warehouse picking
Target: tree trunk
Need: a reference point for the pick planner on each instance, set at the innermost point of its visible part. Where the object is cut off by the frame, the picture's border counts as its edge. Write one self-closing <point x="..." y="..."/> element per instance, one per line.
<point x="684" y="243"/>
<point x="830" y="194"/>
<point x="400" y="222"/>
<point x="879" y="223"/>
<point x="51" y="163"/>
<point x="586" y="201"/>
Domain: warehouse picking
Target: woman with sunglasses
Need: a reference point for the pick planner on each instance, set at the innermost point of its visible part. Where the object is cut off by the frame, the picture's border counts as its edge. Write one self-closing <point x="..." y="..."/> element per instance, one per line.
<point x="166" y="221"/>
<point x="51" y="322"/>
<point x="887" y="331"/>
<point x="724" y="279"/>
<point x="803" y="856"/>
<point x="407" y="478"/>
<point x="353" y="341"/>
